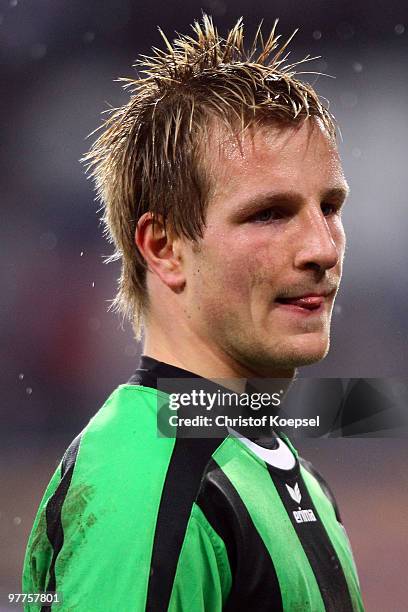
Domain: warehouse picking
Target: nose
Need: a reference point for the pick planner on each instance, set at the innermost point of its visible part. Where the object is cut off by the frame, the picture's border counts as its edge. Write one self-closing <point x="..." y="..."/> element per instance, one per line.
<point x="317" y="245"/>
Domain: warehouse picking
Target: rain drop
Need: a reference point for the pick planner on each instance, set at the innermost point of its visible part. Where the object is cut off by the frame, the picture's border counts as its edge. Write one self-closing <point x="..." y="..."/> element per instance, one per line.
<point x="29" y="390"/>
<point x="21" y="376"/>
<point x="93" y="283"/>
<point x="399" y="29"/>
<point x="356" y="153"/>
<point x="81" y="254"/>
<point x="17" y="520"/>
<point x="317" y="34"/>
<point x="357" y="67"/>
<point x="13" y="3"/>
<point x="88" y="37"/>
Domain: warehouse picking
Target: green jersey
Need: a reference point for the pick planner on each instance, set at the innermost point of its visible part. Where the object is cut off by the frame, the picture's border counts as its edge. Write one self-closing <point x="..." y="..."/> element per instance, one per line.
<point x="132" y="521"/>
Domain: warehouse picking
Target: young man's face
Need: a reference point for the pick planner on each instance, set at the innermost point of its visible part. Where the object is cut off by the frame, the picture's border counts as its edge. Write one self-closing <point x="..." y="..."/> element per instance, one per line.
<point x="260" y="286"/>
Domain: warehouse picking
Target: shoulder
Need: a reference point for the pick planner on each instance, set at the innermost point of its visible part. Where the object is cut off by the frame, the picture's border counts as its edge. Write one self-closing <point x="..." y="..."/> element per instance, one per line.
<point x="118" y="432"/>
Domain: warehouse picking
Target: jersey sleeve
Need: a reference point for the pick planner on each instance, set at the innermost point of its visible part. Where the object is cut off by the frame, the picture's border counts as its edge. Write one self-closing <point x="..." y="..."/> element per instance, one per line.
<point x="39" y="551"/>
<point x="62" y="551"/>
<point x="88" y="542"/>
<point x="203" y="576"/>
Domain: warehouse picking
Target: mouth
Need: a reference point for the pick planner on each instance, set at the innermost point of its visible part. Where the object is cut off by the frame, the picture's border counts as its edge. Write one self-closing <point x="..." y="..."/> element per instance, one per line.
<point x="306" y="303"/>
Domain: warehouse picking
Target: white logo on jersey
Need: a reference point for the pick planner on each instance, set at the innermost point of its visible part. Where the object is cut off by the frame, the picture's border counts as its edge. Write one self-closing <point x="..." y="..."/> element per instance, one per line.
<point x="304" y="516"/>
<point x="295" y="493"/>
<point x="301" y="516"/>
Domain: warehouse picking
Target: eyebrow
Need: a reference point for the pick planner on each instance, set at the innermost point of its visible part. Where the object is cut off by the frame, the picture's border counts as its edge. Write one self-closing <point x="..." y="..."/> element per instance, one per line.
<point x="338" y="193"/>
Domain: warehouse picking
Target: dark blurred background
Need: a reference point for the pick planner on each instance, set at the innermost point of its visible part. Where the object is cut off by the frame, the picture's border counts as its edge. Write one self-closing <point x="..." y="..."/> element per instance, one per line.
<point x="62" y="352"/>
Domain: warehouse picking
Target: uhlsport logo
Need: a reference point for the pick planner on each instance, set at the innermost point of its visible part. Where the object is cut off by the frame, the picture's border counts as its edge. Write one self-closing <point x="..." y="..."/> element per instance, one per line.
<point x="301" y="516"/>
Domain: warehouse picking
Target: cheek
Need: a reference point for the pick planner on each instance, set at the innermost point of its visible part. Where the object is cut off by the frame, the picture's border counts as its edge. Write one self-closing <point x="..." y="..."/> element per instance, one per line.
<point x="234" y="271"/>
<point x="226" y="274"/>
<point x="250" y="264"/>
<point x="244" y="268"/>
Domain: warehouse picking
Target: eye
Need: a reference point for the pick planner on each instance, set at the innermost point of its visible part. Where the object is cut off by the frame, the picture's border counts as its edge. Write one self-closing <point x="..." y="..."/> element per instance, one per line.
<point x="267" y="215"/>
<point x="330" y="209"/>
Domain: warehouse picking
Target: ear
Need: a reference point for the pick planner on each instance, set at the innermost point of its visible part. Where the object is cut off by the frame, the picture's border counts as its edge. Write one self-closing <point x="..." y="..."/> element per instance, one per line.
<point x="161" y="251"/>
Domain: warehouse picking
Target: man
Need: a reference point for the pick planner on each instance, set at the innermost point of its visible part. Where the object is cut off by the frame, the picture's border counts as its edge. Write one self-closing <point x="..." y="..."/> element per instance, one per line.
<point x="222" y="189"/>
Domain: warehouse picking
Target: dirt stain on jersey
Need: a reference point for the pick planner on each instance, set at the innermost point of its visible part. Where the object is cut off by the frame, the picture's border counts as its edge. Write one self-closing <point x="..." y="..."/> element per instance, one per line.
<point x="40" y="553"/>
<point x="76" y="522"/>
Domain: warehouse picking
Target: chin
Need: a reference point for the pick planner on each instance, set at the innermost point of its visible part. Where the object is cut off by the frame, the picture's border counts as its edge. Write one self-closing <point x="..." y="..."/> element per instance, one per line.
<point x="304" y="352"/>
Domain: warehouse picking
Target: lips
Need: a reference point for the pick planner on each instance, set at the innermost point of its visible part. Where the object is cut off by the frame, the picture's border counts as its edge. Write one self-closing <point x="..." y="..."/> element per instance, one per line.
<point x="306" y="302"/>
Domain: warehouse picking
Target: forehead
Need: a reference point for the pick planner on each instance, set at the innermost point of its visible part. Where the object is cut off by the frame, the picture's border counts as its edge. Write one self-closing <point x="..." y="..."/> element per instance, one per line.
<point x="274" y="156"/>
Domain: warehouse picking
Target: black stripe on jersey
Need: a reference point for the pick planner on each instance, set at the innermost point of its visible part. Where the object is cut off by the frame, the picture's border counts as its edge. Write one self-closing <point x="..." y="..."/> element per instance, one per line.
<point x="187" y="464"/>
<point x="53" y="510"/>
<point x="70" y="455"/>
<point x="255" y="585"/>
<point x="316" y="544"/>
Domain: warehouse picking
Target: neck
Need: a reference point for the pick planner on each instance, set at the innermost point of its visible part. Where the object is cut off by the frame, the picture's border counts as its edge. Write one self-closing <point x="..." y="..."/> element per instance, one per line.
<point x="189" y="352"/>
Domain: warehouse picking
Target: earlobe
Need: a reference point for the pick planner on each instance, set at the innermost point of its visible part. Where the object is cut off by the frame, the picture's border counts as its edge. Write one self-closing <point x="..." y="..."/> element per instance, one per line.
<point x="161" y="251"/>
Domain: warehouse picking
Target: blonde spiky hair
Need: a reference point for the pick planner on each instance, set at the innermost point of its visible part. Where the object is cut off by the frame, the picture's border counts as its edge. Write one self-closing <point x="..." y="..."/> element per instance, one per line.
<point x="149" y="156"/>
